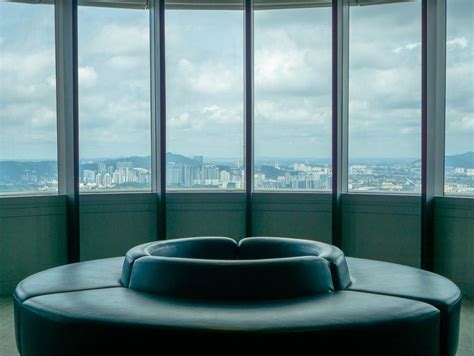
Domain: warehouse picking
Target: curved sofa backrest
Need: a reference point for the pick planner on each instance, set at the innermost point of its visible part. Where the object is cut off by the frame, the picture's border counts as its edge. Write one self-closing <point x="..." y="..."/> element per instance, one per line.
<point x="278" y="247"/>
<point x="216" y="248"/>
<point x="236" y="280"/>
<point x="219" y="267"/>
<point x="207" y="248"/>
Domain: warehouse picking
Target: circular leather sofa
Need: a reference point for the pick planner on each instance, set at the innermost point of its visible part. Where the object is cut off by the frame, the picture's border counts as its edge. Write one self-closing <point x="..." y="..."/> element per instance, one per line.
<point x="213" y="294"/>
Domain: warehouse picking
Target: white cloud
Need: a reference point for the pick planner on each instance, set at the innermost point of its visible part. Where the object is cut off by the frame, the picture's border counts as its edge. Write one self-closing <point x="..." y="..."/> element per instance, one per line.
<point x="31" y="67"/>
<point x="128" y="113"/>
<point x="44" y="118"/>
<point x="387" y="89"/>
<point x="119" y="39"/>
<point x="181" y="121"/>
<point x="460" y="121"/>
<point x="23" y="77"/>
<point x="51" y="81"/>
<point x="223" y="115"/>
<point x="87" y="77"/>
<point x="407" y="47"/>
<point x="206" y="119"/>
<point x="460" y="78"/>
<point x="282" y="69"/>
<point x="358" y="105"/>
<point x="301" y="114"/>
<point x="460" y="42"/>
<point x="210" y="77"/>
<point x="409" y="130"/>
<point x="283" y="64"/>
<point x="122" y="63"/>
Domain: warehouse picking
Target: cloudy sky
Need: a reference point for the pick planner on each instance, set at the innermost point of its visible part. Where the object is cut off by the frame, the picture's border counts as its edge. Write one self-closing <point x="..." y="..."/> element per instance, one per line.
<point x="204" y="59"/>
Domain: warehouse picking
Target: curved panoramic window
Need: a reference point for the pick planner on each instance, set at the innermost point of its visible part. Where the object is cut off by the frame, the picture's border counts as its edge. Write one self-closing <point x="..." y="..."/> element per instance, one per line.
<point x="28" y="153"/>
<point x="385" y="98"/>
<point x="114" y="99"/>
<point x="204" y="55"/>
<point x="459" y="160"/>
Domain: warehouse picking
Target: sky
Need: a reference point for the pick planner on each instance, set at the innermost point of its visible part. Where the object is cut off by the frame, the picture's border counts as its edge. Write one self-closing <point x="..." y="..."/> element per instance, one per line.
<point x="204" y="79"/>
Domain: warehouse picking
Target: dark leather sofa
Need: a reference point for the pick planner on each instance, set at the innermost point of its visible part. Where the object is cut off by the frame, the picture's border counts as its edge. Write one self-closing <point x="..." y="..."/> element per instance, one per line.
<point x="268" y="294"/>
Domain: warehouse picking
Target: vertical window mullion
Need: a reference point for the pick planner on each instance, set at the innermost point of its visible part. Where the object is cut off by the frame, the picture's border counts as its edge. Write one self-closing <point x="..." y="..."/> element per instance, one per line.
<point x="249" y="112"/>
<point x="340" y="97"/>
<point x="433" y="119"/>
<point x="158" y="110"/>
<point x="68" y="119"/>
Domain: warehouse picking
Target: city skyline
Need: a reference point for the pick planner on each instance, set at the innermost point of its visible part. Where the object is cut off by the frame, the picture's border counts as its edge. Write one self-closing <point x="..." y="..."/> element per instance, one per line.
<point x="198" y="172"/>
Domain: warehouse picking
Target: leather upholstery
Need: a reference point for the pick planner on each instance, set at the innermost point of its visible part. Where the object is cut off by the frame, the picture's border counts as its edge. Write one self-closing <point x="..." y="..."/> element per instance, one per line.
<point x="221" y="248"/>
<point x="218" y="267"/>
<point x="407" y="282"/>
<point x="277" y="247"/>
<point x="218" y="279"/>
<point x="120" y="321"/>
<point x="76" y="276"/>
<point x="84" y="308"/>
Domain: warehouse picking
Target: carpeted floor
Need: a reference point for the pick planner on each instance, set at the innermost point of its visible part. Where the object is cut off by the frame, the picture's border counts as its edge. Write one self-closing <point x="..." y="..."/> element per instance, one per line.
<point x="8" y="347"/>
<point x="7" y="333"/>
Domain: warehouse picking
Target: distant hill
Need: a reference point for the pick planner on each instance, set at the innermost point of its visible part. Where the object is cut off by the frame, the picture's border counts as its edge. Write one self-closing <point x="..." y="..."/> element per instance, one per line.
<point x="12" y="171"/>
<point x="463" y="160"/>
<point x="223" y="167"/>
<point x="180" y="159"/>
<point x="271" y="172"/>
<point x="141" y="162"/>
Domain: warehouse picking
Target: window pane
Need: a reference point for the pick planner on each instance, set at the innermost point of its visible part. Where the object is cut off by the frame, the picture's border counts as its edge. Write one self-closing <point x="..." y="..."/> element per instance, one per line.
<point x="28" y="151"/>
<point x="293" y="99"/>
<point x="459" y="178"/>
<point x="204" y="98"/>
<point x="114" y="99"/>
<point x="385" y="98"/>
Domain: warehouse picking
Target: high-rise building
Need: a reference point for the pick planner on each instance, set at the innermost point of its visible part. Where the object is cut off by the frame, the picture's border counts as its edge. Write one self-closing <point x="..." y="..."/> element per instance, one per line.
<point x="116" y="178"/>
<point x="98" y="180"/>
<point x="174" y="174"/>
<point x="88" y="176"/>
<point x="190" y="175"/>
<point x="209" y="172"/>
<point x="123" y="164"/>
<point x="101" y="168"/>
<point x="107" y="180"/>
<point x="225" y="177"/>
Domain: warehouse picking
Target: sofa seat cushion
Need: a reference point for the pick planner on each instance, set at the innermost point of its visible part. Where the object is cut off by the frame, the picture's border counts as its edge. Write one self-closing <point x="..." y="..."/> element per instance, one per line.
<point x="386" y="278"/>
<point x="122" y="320"/>
<point x="76" y="276"/>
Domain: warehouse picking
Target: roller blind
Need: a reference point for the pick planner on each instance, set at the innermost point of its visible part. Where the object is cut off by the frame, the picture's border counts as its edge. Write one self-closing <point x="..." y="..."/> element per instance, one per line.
<point x="218" y="4"/>
<point x="126" y="4"/>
